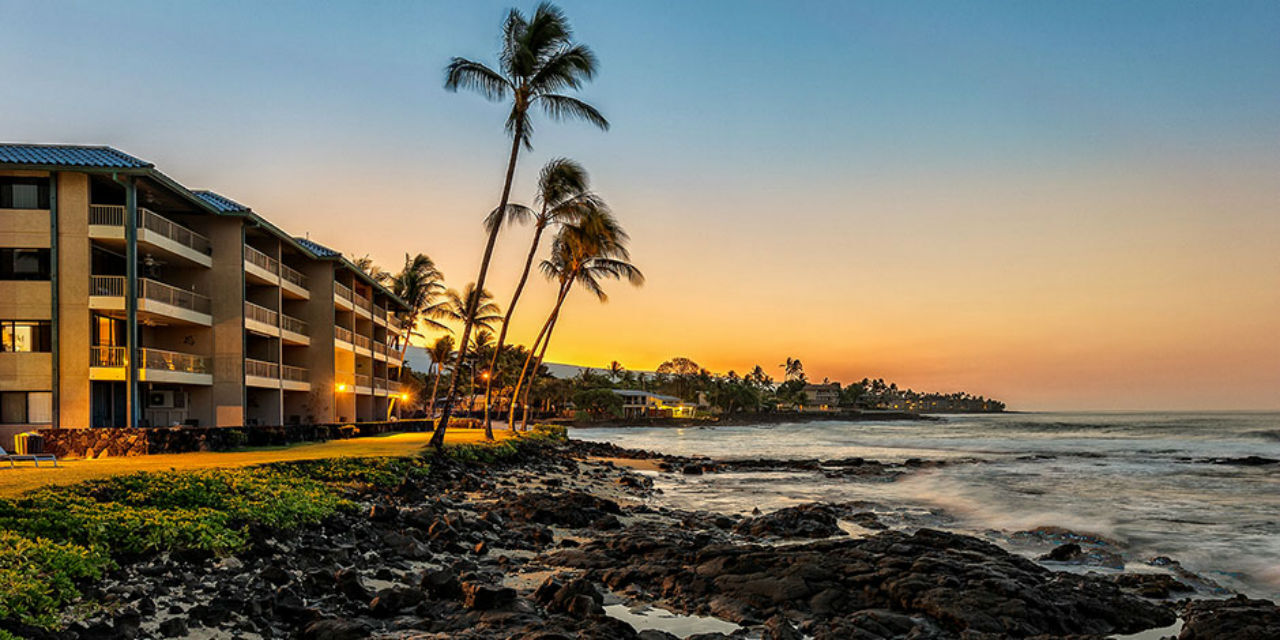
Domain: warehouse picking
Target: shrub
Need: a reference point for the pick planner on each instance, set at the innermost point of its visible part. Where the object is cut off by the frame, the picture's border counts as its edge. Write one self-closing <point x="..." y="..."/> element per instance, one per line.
<point x="347" y="431"/>
<point x="37" y="577"/>
<point x="236" y="438"/>
<point x="378" y="472"/>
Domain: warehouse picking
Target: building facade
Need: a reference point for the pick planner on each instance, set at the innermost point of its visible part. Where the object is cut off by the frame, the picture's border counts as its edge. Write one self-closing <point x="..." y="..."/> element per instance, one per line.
<point x="127" y="299"/>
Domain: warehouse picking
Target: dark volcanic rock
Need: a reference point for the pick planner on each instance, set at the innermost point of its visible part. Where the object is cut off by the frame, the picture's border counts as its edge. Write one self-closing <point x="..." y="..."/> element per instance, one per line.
<point x="478" y="595"/>
<point x="804" y="521"/>
<point x="571" y="509"/>
<point x="334" y="629"/>
<point x="1236" y="619"/>
<point x="954" y="583"/>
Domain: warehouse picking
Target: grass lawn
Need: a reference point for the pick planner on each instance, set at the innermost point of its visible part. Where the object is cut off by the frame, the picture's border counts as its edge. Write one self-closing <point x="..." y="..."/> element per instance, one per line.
<point x="26" y="477"/>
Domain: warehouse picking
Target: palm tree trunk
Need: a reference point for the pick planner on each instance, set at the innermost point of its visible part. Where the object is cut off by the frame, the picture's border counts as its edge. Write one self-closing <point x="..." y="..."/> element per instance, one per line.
<point x="546" y="340"/>
<point x="435" y="387"/>
<point x="404" y="349"/>
<point x="506" y="322"/>
<point x="437" y="438"/>
<point x="524" y="371"/>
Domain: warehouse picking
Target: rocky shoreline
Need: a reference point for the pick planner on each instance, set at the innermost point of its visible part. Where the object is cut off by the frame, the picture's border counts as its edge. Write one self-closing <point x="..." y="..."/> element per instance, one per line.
<point x="545" y="544"/>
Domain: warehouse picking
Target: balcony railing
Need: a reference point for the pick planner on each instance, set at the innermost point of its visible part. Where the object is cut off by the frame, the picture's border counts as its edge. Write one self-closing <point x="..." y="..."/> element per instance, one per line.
<point x="112" y="215"/>
<point x="293" y="275"/>
<point x="151" y="290"/>
<point x="363" y="342"/>
<point x="261" y="260"/>
<point x="294" y="374"/>
<point x="394" y="321"/>
<point x="379" y="313"/>
<point x="342" y="333"/>
<point x="106" y="356"/>
<point x="360" y="301"/>
<point x="260" y="314"/>
<point x="363" y="380"/>
<point x="380" y="383"/>
<point x="174" y="361"/>
<point x="378" y="347"/>
<point x="161" y="292"/>
<point x="342" y="291"/>
<point x="290" y="323"/>
<point x="106" y="286"/>
<point x="261" y="368"/>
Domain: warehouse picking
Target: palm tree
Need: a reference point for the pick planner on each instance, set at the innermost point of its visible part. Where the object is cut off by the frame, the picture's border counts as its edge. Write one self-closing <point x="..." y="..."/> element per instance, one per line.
<point x="562" y="192"/>
<point x="538" y="59"/>
<point x="420" y="285"/>
<point x="616" y="370"/>
<point x="439" y="352"/>
<point x="583" y="253"/>
<point x="793" y="369"/>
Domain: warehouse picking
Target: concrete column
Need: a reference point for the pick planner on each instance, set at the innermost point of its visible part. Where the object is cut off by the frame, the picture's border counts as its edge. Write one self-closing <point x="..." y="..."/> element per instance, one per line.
<point x="72" y="409"/>
<point x="227" y="295"/>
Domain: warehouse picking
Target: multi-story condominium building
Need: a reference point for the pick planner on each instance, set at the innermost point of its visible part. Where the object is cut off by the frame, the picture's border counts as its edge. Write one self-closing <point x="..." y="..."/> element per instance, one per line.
<point x="127" y="299"/>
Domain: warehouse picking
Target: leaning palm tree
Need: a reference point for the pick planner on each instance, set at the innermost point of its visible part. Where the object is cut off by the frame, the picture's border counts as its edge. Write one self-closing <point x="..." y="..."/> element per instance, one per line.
<point x="420" y="285"/>
<point x="538" y="60"/>
<point x="440" y="351"/>
<point x="563" y="195"/>
<point x="583" y="253"/>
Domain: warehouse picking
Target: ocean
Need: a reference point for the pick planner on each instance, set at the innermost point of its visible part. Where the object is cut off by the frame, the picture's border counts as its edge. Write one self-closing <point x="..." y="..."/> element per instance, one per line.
<point x="1139" y="489"/>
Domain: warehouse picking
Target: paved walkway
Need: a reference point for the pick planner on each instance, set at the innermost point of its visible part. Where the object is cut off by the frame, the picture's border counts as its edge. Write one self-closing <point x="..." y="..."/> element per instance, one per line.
<point x="26" y="477"/>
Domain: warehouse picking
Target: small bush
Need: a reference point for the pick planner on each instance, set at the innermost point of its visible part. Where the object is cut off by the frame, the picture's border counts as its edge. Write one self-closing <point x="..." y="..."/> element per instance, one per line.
<point x="37" y="577"/>
<point x="378" y="472"/>
<point x="236" y="438"/>
<point x="348" y="431"/>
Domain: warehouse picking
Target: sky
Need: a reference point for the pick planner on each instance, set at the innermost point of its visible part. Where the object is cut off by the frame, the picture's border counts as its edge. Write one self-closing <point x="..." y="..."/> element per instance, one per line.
<point x="1066" y="206"/>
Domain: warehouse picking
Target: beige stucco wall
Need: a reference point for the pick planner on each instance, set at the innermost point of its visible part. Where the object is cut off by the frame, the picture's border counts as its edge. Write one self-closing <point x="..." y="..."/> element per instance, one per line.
<point x="24" y="228"/>
<point x="73" y="300"/>
<point x="227" y="299"/>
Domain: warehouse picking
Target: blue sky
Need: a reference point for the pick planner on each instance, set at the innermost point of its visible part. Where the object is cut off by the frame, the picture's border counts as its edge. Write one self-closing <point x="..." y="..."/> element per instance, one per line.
<point x="831" y="180"/>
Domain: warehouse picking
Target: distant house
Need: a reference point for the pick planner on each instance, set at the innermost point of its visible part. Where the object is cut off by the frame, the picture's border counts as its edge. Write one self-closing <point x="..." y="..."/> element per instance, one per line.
<point x="645" y="404"/>
<point x="822" y="397"/>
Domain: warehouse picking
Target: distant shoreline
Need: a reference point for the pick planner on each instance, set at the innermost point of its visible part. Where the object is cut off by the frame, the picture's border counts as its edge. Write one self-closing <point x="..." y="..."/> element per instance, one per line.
<point x="750" y="419"/>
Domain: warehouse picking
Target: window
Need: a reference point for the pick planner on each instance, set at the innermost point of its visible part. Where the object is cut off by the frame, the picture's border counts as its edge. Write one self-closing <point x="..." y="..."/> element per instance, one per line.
<point x="26" y="336"/>
<point x="24" y="264"/>
<point x="24" y="193"/>
<point x="22" y="407"/>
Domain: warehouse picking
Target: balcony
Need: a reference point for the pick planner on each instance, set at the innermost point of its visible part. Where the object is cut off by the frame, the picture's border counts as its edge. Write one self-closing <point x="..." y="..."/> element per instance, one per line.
<point x="294" y="331"/>
<point x="294" y="378"/>
<point x="261" y="320"/>
<point x="158" y="302"/>
<point x="157" y="365"/>
<point x="364" y="346"/>
<point x="343" y="337"/>
<point x="106" y="223"/>
<point x="364" y="384"/>
<point x="260" y="373"/>
<point x="342" y="296"/>
<point x="379" y="386"/>
<point x="293" y="283"/>
<point x="379" y="351"/>
<point x="361" y="304"/>
<point x="379" y="315"/>
<point x="260" y="268"/>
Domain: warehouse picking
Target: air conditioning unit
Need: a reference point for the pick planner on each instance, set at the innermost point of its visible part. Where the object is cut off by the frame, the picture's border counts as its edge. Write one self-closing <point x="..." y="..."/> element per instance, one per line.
<point x="167" y="400"/>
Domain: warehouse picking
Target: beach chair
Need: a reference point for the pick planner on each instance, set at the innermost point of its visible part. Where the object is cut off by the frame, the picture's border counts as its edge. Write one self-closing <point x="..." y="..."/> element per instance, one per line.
<point x="35" y="458"/>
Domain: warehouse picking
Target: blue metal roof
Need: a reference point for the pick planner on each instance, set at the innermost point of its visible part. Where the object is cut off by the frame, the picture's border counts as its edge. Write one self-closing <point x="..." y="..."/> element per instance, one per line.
<point x="222" y="203"/>
<point x="68" y="156"/>
<point x="317" y="248"/>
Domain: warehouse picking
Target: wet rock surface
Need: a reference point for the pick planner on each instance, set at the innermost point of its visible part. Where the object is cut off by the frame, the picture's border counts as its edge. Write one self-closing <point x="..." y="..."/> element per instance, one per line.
<point x="538" y="546"/>
<point x="1237" y="619"/>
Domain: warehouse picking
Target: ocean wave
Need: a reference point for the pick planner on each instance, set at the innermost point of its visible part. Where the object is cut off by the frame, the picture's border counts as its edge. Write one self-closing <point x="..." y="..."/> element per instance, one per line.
<point x="1270" y="435"/>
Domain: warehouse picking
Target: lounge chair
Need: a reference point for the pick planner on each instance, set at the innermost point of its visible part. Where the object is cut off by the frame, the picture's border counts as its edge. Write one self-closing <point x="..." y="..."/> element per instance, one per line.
<point x="36" y="458"/>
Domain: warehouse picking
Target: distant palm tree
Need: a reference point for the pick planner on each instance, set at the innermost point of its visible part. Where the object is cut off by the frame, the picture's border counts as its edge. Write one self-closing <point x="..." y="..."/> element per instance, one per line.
<point x="562" y="192"/>
<point x="439" y="352"/>
<point x="420" y="285"/>
<point x="484" y="313"/>
<point x="583" y="253"/>
<point x="538" y="60"/>
<point x="793" y="369"/>
<point x="365" y="264"/>
<point x="616" y="370"/>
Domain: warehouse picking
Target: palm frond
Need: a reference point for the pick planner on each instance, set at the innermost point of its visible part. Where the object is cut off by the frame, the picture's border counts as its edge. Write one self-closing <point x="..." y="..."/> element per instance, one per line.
<point x="476" y="76"/>
<point x="515" y="214"/>
<point x="568" y="67"/>
<point x="562" y="107"/>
